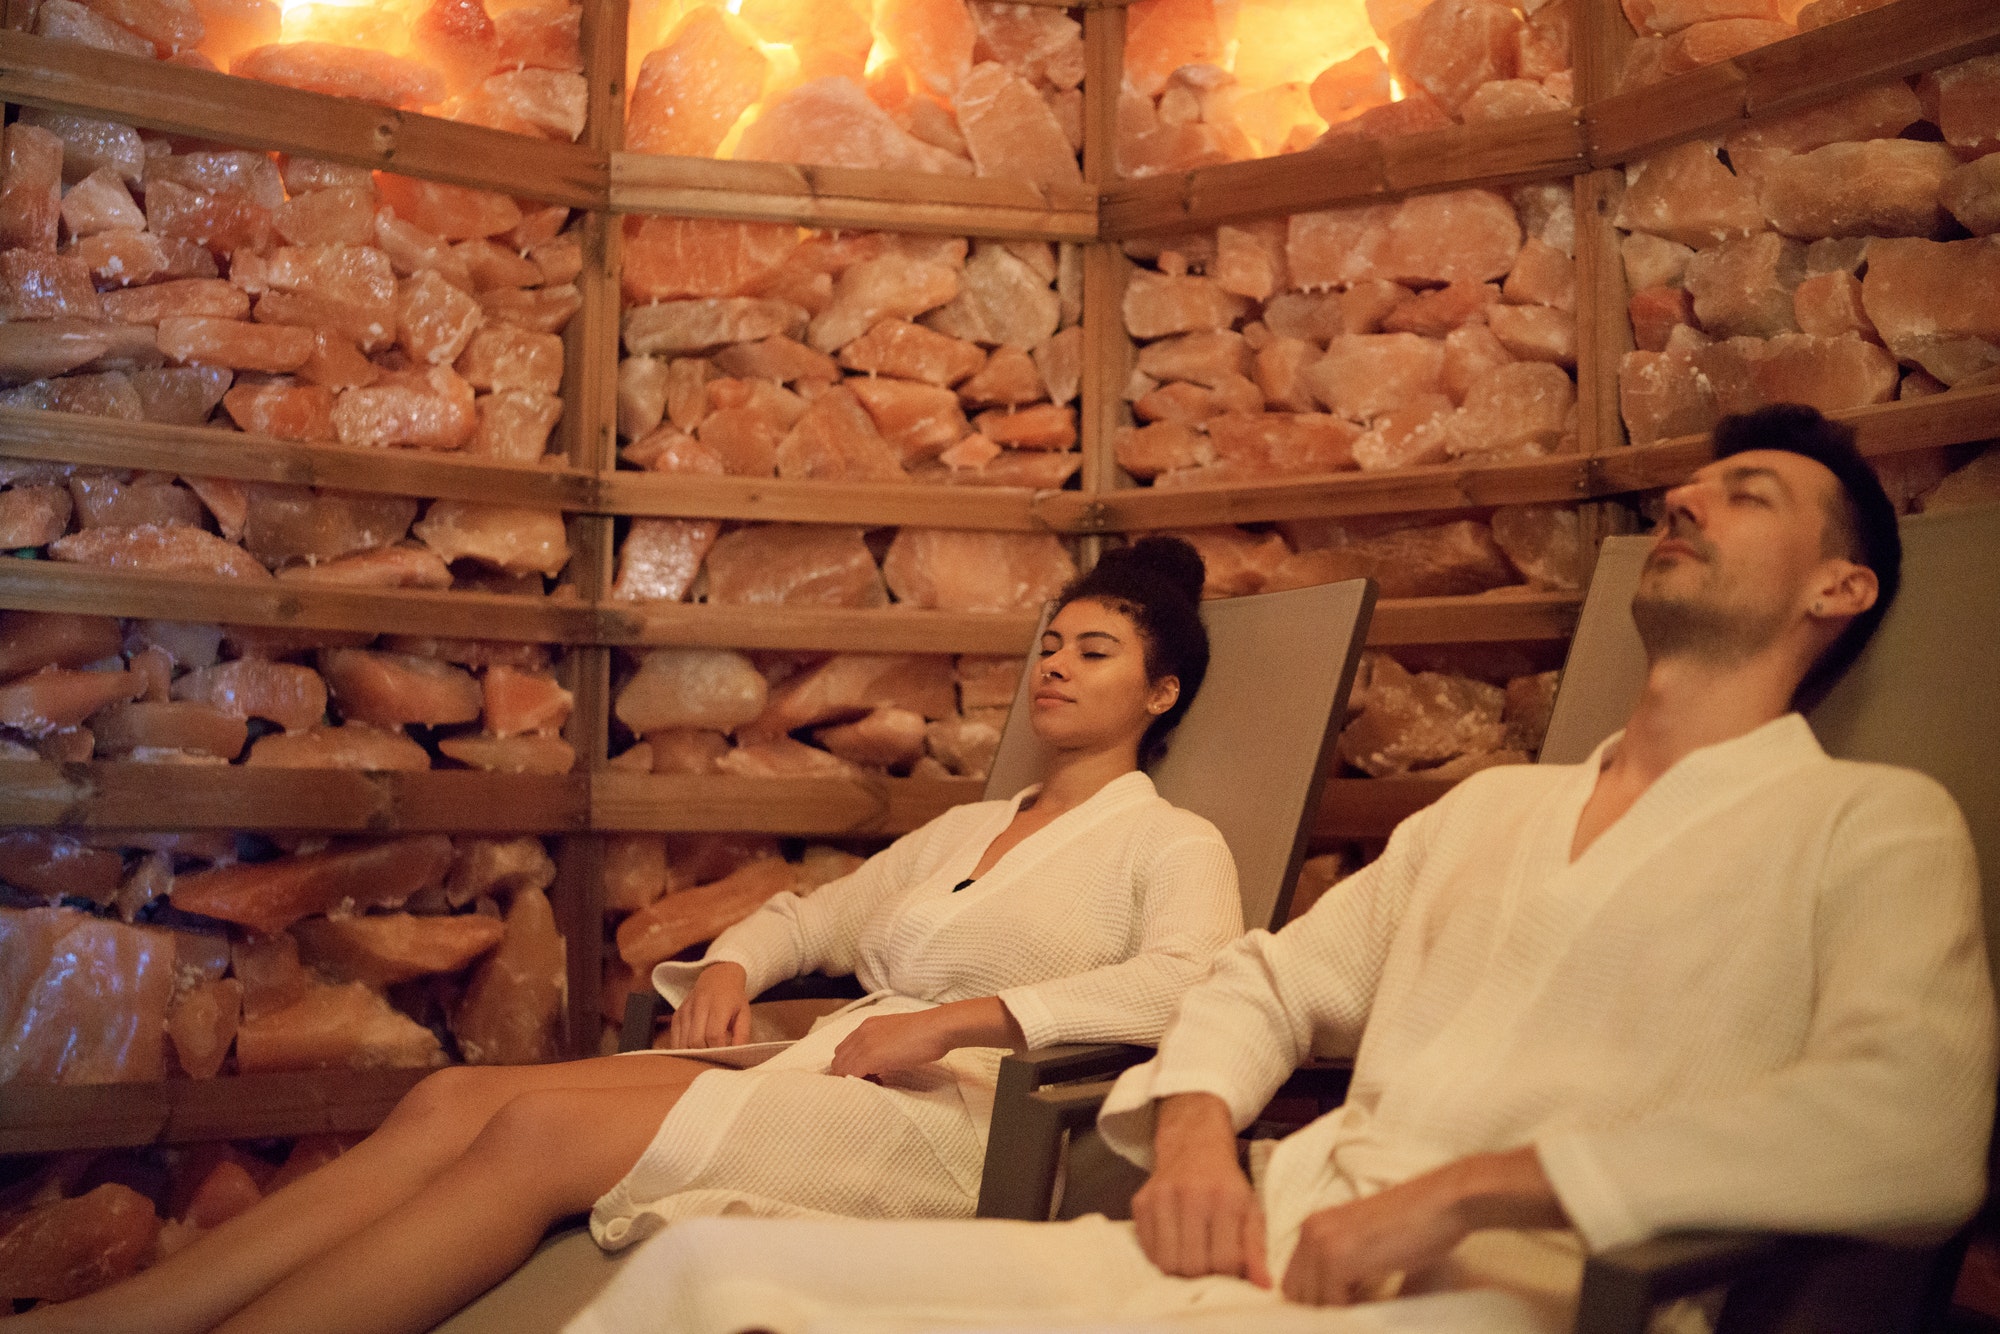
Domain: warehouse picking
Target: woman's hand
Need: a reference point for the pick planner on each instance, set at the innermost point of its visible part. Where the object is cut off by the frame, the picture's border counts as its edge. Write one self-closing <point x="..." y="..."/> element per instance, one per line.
<point x="892" y="1042"/>
<point x="716" y="1013"/>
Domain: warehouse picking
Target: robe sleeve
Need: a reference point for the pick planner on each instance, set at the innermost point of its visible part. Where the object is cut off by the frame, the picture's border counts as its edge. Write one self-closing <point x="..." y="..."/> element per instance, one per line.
<point x="790" y="936"/>
<point x="1882" y="1122"/>
<point x="1240" y="1033"/>
<point x="1189" y="908"/>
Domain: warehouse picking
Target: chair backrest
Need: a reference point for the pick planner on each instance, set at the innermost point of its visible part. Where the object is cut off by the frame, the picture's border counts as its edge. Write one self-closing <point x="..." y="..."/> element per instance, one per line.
<point x="1252" y="752"/>
<point x="1922" y="695"/>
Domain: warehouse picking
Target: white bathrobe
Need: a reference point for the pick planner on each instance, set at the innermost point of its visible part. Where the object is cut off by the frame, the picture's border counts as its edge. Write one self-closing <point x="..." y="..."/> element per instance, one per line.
<point x="1088" y="930"/>
<point x="1760" y="999"/>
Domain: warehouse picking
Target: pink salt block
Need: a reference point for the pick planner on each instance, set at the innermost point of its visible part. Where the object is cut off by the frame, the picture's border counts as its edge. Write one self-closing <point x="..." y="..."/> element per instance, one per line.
<point x="708" y="689"/>
<point x="1210" y="358"/>
<point x="517" y="703"/>
<point x="1415" y="113"/>
<point x="1010" y="130"/>
<point x="233" y="344"/>
<point x="552" y="104"/>
<point x="65" y="1248"/>
<point x="1655" y="311"/>
<point x="1436" y="560"/>
<point x="1280" y="373"/>
<point x="1542" y="276"/>
<point x="1878" y="111"/>
<point x="545" y="755"/>
<point x="831" y="122"/>
<point x="678" y="920"/>
<point x="1417" y="721"/>
<point x="391" y="689"/>
<point x="545" y="310"/>
<point x="889" y="288"/>
<point x="1362" y="375"/>
<point x="1972" y="195"/>
<point x="1283" y="444"/>
<point x="289" y="695"/>
<point x="1542" y="51"/>
<point x="849" y="685"/>
<point x="1039" y="44"/>
<point x="540" y="36"/>
<point x="1829" y="305"/>
<point x="268" y="967"/>
<point x="1156" y="305"/>
<point x="66" y="21"/>
<point x="434" y="320"/>
<point x="87" y="145"/>
<point x="226" y="500"/>
<point x="917" y="420"/>
<point x="125" y="258"/>
<point x="514" y="425"/>
<point x="433" y="409"/>
<point x="199" y="297"/>
<point x="661" y="557"/>
<point x="1237" y="562"/>
<point x="1059" y="364"/>
<point x="1454" y="46"/>
<point x="201" y="1023"/>
<point x="332" y="1027"/>
<point x="223" y="223"/>
<point x="1661" y="396"/>
<point x="176" y="725"/>
<point x="1819" y="13"/>
<point x="498" y="867"/>
<point x="381" y="949"/>
<point x="1164" y="35"/>
<point x="1522" y="408"/>
<point x="54" y="700"/>
<point x="957" y="570"/>
<point x="794" y="565"/>
<point x="99" y="203"/>
<point x="1831" y="374"/>
<point x="267" y="897"/>
<point x="1661" y="18"/>
<point x="1977" y="483"/>
<point x="411" y="250"/>
<point x="1879" y="187"/>
<point x="1932" y="303"/>
<point x="1437" y="311"/>
<point x="676" y="328"/>
<point x="1147" y="451"/>
<point x="1182" y="402"/>
<point x="108" y="395"/>
<point x="1416" y="433"/>
<point x="1044" y="426"/>
<point x="635" y="865"/>
<point x="517" y="539"/>
<point x="837" y="440"/>
<point x="641" y="395"/>
<point x="1470" y="352"/>
<point x="403" y="565"/>
<point x="1718" y="40"/>
<point x="1009" y="378"/>
<point x="987" y="683"/>
<point x="692" y="90"/>
<point x="687" y="391"/>
<point x="828" y="38"/>
<point x="964" y="746"/>
<point x="102" y="501"/>
<point x="31" y="160"/>
<point x="784" y="758"/>
<point x="1535" y="333"/>
<point x="743" y="441"/>
<point x="1744" y="286"/>
<point x="347" y="746"/>
<point x="301" y="175"/>
<point x="779" y="359"/>
<point x="501" y="357"/>
<point x="458" y="39"/>
<point x="1685" y="194"/>
<point x="58" y="866"/>
<point x="87" y="998"/>
<point x="454" y="212"/>
<point x="888" y="738"/>
<point x="33" y="516"/>
<point x="1966" y="98"/>
<point x="1250" y="260"/>
<point x="170" y="25"/>
<point x="934" y="38"/>
<point x="1002" y="301"/>
<point x="286" y="411"/>
<point x="559" y="258"/>
<point x="683" y="751"/>
<point x="343" y="71"/>
<point x="227" y="1190"/>
<point x="1349" y="87"/>
<point x="31" y="640"/>
<point x="1036" y="470"/>
<point x="1338" y="247"/>
<point x="1469" y="236"/>
<point x="173" y="549"/>
<point x="252" y="175"/>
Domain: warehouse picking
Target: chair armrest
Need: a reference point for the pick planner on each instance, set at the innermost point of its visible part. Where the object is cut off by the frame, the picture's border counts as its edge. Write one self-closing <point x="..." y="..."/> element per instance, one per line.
<point x="1024" y="1147"/>
<point x="642" y="1016"/>
<point x="1621" y="1286"/>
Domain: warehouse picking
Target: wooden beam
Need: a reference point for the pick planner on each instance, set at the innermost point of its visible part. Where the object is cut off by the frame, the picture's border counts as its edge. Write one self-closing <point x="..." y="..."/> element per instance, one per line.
<point x="1502" y="616"/>
<point x="868" y="504"/>
<point x="204" y="451"/>
<point x="82" y="80"/>
<point x="851" y="197"/>
<point x="52" y="1118"/>
<point x="836" y="629"/>
<point x="1603" y="327"/>
<point x="821" y="807"/>
<point x="108" y="794"/>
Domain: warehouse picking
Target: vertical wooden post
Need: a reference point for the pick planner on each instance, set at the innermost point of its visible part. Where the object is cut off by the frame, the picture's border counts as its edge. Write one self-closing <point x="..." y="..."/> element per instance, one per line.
<point x="1108" y="352"/>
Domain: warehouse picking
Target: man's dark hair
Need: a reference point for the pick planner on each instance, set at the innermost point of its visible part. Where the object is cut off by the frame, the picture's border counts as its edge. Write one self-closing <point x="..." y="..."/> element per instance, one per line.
<point x="1157" y="583"/>
<point x="1860" y="523"/>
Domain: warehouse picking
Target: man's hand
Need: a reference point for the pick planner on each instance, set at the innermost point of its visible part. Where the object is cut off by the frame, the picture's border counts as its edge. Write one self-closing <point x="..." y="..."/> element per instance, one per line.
<point x="716" y="1012"/>
<point x="892" y="1042"/>
<point x="1350" y="1252"/>
<point x="1197" y="1213"/>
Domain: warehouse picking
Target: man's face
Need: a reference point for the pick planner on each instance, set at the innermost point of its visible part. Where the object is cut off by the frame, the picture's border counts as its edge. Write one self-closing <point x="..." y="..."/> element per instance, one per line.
<point x="1739" y="549"/>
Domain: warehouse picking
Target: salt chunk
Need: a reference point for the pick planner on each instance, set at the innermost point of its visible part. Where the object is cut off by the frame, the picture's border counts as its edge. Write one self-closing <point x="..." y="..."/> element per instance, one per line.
<point x="1522" y="408"/>
<point x="435" y="320"/>
<point x="515" y="538"/>
<point x="454" y="212"/>
<point x="1878" y="111"/>
<point x="1933" y="303"/>
<point x="831" y="122"/>
<point x="1829" y="305"/>
<point x="1280" y="373"/>
<point x="1362" y="375"/>
<point x="794" y="565"/>
<point x="911" y="351"/>
<point x="836" y="440"/>
<point x="1662" y="395"/>
<point x="1250" y="259"/>
<point x="917" y="420"/>
<point x="957" y="570"/>
<point x="31" y="160"/>
<point x="660" y="558"/>
<point x="1879" y="187"/>
<point x="433" y="409"/>
<point x="283" y="409"/>
<point x="1967" y="97"/>
<point x="1685" y="194"/>
<point x="673" y="328"/>
<point x="1542" y="276"/>
<point x="1972" y="194"/>
<point x="1655" y="312"/>
<point x="1454" y="46"/>
<point x="1436" y="311"/>
<point x="874" y="290"/>
<point x="1653" y="261"/>
<point x="1156" y="305"/>
<point x="1282" y="444"/>
<point x="1416" y="433"/>
<point x="1535" y="333"/>
<point x="1337" y="247"/>
<point x="1010" y="130"/>
<point x="1452" y="236"/>
<point x="1147" y="451"/>
<point x="1002" y="302"/>
<point x="514" y="425"/>
<point x="1009" y="378"/>
<point x="343" y="71"/>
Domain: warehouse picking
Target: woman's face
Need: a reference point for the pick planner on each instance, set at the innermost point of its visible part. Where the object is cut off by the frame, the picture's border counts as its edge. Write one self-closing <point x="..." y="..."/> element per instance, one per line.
<point x="1090" y="689"/>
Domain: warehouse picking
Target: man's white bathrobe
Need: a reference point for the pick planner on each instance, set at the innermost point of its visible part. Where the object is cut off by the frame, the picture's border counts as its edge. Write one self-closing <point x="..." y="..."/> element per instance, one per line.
<point x="1088" y="930"/>
<point x="1760" y="999"/>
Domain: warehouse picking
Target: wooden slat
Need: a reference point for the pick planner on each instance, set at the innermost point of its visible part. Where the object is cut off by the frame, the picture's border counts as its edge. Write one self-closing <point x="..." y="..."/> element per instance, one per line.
<point x="1598" y="42"/>
<point x="1505" y="615"/>
<point x="51" y="1118"/>
<point x="1525" y="148"/>
<point x="850" y="197"/>
<point x="1603" y="328"/>
<point x="39" y="585"/>
<point x="64" y="76"/>
<point x="1897" y="39"/>
<point x="112" y="795"/>
<point x="869" y="504"/>
<point x="1108" y="358"/>
<point x="1104" y="74"/>
<point x="1370" y="808"/>
<point x="820" y="807"/>
<point x="200" y="451"/>
<point x="889" y="630"/>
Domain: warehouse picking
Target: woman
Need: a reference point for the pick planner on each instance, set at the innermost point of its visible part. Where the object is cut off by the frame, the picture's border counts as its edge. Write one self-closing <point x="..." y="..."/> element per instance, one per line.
<point x="1078" y="911"/>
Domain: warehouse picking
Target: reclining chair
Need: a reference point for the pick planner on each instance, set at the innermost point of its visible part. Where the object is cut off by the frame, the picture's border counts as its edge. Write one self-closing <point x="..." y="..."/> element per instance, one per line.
<point x="1922" y="697"/>
<point x="1250" y="755"/>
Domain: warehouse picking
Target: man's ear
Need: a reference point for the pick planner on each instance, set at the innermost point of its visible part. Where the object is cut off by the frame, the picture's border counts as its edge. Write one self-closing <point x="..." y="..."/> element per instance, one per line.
<point x="1848" y="589"/>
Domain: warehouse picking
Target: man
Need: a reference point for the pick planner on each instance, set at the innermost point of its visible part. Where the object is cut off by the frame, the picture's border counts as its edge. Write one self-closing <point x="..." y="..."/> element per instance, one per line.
<point x="1709" y="978"/>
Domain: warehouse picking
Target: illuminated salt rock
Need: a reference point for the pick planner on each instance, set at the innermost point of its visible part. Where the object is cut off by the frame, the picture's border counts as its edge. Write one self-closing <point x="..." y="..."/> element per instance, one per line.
<point x="1545" y="542"/>
<point x="516" y="538"/>
<point x="385" y="948"/>
<point x="65" y="1248"/>
<point x="1535" y="333"/>
<point x="537" y="309"/>
<point x="201" y="1024"/>
<point x="1010" y="378"/>
<point x="327" y="217"/>
<point x="87" y="998"/>
<point x="691" y="90"/>
<point x="434" y="320"/>
<point x="1002" y="301"/>
<point x="176" y="725"/>
<point x="641" y="395"/>
<point x="1413" y="434"/>
<point x="1237" y="561"/>
<point x="31" y="160"/>
<point x="58" y="866"/>
<point x="837" y="440"/>
<point x="102" y="501"/>
<point x="296" y="523"/>
<point x="794" y="565"/>
<point x="1414" y="721"/>
<point x="66" y="21"/>
<point x="1279" y="370"/>
<point x="124" y="258"/>
<point x="108" y="395"/>
<point x="1436" y="311"/>
<point x="343" y="71"/>
<point x="349" y="746"/>
<point x="1967" y="101"/>
<point x="98" y="203"/>
<point x="1685" y="194"/>
<point x="1157" y="304"/>
<point x="957" y="570"/>
<point x="1830" y="306"/>
<point x="1454" y="46"/>
<point x="917" y="420"/>
<point x="331" y="1027"/>
<point x="1010" y="130"/>
<point x="1663" y="395"/>
<point x="87" y="146"/>
<point x="391" y="689"/>
<point x="1337" y="247"/>
<point x="1542" y="276"/>
<point x="516" y="703"/>
<point x="828" y="38"/>
<point x="1879" y="187"/>
<point x="551" y="104"/>
<point x="267" y="897"/>
<point x="453" y="212"/>
<point x="291" y="696"/>
<point x="33" y="516"/>
<point x="1653" y="261"/>
<point x="1661" y="18"/>
<point x="911" y="351"/>
<point x="400" y="565"/>
<point x="225" y="223"/>
<point x="831" y="122"/>
<point x="660" y="558"/>
<point x="891" y="287"/>
<point x="31" y="640"/>
<point x="884" y="737"/>
<point x="676" y="328"/>
<point x="1191" y="403"/>
<point x="1210" y="358"/>
<point x="1454" y="236"/>
<point x="779" y="359"/>
<point x="1059" y="363"/>
<point x="1717" y="40"/>
<point x="1037" y="43"/>
<point x="172" y="550"/>
<point x="498" y="866"/>
<point x="1655" y="313"/>
<point x="1934" y="303"/>
<point x="784" y="758"/>
<point x="199" y="297"/>
<point x="1972" y="194"/>
<point x="1164" y="35"/>
<point x="514" y="425"/>
<point x="711" y="689"/>
<point x="1831" y="374"/>
<point x="502" y="357"/>
<point x="1363" y="375"/>
<point x="686" y="751"/>
<point x="512" y="1013"/>
<point x="234" y="344"/>
<point x="1148" y="451"/>
<point x="1044" y="426"/>
<point x="1523" y="407"/>
<point x="1283" y="444"/>
<point x="1879" y="111"/>
<point x="671" y="924"/>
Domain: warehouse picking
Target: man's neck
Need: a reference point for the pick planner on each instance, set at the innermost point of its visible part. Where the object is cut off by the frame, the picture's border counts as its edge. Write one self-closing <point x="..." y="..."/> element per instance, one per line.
<point x="1689" y="703"/>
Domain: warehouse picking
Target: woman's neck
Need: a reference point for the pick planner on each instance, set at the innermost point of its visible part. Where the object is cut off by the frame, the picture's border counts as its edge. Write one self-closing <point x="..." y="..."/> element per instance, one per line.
<point x="1075" y="776"/>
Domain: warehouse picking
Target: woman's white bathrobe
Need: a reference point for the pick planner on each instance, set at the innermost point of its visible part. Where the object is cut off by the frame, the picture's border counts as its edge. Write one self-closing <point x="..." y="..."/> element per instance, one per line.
<point x="1760" y="999"/>
<point x="1090" y="929"/>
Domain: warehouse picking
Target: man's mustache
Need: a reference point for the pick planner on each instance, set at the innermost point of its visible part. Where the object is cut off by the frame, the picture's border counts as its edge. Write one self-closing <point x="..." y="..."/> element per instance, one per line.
<point x="1681" y="527"/>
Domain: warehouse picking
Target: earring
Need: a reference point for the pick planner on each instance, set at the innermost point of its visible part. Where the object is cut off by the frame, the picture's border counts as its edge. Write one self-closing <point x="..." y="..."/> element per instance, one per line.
<point x="1819" y="608"/>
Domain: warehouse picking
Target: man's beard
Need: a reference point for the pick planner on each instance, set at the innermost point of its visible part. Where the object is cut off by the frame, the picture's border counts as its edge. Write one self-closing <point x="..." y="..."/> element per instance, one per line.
<point x="1698" y="623"/>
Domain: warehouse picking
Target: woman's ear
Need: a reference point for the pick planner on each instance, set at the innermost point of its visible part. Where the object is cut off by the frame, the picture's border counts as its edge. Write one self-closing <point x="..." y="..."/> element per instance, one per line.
<point x="1162" y="695"/>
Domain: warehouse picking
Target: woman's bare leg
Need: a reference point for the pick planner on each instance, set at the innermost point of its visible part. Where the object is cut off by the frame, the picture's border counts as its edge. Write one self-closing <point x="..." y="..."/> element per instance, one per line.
<point x="543" y="1156"/>
<point x="231" y="1265"/>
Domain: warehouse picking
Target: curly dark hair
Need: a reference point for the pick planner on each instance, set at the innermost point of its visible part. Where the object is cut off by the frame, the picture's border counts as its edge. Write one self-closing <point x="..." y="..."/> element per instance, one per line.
<point x="1156" y="582"/>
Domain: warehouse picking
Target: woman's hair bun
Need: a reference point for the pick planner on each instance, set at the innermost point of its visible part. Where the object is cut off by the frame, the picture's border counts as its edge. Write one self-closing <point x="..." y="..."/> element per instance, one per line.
<point x="1172" y="559"/>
